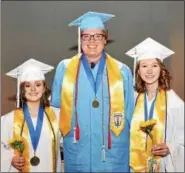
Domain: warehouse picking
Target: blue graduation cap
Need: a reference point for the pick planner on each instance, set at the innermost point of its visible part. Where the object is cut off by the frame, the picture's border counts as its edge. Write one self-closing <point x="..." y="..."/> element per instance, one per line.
<point x="90" y="20"/>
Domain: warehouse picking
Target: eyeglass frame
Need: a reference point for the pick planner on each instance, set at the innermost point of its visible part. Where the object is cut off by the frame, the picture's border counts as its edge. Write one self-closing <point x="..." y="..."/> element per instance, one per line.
<point x="93" y="36"/>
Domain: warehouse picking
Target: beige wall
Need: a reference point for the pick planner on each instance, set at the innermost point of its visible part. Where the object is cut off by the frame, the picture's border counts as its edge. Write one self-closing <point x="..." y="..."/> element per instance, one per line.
<point x="39" y="29"/>
<point x="177" y="62"/>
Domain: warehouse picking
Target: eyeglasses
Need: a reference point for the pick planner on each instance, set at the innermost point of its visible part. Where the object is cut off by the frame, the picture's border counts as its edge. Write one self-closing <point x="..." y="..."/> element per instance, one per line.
<point x="96" y="37"/>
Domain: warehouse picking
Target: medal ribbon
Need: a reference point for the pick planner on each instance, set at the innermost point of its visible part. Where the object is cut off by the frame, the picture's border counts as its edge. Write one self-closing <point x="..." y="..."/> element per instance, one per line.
<point x="151" y="109"/>
<point x="34" y="134"/>
<point x="94" y="82"/>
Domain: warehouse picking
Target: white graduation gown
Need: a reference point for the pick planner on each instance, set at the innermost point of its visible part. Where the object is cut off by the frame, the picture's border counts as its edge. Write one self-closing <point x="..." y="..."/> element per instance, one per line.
<point x="174" y="162"/>
<point x="43" y="150"/>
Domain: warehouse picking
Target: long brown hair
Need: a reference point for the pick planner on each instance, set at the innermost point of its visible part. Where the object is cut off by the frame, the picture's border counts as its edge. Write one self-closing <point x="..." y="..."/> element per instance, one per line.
<point x="44" y="99"/>
<point x="164" y="78"/>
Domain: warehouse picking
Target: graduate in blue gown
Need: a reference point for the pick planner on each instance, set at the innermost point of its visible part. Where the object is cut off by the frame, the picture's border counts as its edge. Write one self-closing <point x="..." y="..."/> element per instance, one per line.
<point x="94" y="92"/>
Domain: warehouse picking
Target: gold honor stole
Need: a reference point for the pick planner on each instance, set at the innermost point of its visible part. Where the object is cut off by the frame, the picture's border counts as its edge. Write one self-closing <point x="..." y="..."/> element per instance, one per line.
<point x="17" y="128"/>
<point x="139" y="156"/>
<point x="115" y="81"/>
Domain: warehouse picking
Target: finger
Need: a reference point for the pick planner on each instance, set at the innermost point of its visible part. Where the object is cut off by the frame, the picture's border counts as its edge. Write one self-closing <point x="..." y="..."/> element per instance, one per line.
<point x="159" y="147"/>
<point x="21" y="161"/>
<point x="156" y="147"/>
<point x="160" y="152"/>
<point x="19" y="167"/>
<point x="21" y="157"/>
<point x="16" y="159"/>
<point x="19" y="164"/>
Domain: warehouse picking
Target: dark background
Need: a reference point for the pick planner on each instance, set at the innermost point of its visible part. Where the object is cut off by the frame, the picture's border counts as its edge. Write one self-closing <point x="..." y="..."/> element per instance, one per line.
<point x="39" y="30"/>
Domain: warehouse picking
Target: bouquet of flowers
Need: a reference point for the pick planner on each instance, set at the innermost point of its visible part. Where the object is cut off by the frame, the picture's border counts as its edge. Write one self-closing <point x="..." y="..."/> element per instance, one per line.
<point x="17" y="144"/>
<point x="147" y="127"/>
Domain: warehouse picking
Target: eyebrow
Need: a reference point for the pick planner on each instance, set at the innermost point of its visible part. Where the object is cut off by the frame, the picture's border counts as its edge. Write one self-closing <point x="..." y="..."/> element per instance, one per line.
<point x="36" y="82"/>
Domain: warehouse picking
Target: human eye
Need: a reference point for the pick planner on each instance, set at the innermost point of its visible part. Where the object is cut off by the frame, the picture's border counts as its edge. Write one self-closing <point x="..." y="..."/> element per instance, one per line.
<point x="143" y="66"/>
<point x="155" y="65"/>
<point x="98" y="36"/>
<point x="27" y="85"/>
<point x="85" y="36"/>
<point x="38" y="84"/>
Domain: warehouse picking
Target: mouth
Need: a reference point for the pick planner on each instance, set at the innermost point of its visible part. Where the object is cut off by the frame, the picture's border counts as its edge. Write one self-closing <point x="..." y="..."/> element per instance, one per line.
<point x="33" y="94"/>
<point x="92" y="46"/>
<point x="150" y="76"/>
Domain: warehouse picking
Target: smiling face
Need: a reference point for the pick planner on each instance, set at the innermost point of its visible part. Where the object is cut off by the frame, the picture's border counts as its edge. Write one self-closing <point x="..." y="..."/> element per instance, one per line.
<point x="34" y="90"/>
<point x="149" y="71"/>
<point x="93" y="47"/>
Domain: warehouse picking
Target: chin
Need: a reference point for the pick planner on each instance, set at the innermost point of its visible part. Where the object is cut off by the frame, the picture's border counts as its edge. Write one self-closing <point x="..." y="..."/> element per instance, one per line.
<point x="34" y="99"/>
<point x="92" y="53"/>
<point x="150" y="82"/>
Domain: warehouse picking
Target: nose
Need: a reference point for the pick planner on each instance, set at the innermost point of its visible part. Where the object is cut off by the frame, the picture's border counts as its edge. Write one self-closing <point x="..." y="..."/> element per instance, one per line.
<point x="149" y="70"/>
<point x="32" y="87"/>
<point x="91" y="38"/>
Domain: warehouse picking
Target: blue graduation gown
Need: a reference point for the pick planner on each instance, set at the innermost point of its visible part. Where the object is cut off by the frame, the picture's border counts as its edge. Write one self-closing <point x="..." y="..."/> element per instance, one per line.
<point x="86" y="154"/>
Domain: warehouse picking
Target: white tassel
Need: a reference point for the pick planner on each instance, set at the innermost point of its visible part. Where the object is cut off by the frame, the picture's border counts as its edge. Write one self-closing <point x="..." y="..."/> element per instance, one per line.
<point x="103" y="153"/>
<point x="74" y="136"/>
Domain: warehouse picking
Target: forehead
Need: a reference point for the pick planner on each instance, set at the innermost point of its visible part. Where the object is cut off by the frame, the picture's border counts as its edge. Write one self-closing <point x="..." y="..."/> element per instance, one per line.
<point x="34" y="82"/>
<point x="93" y="31"/>
<point x="148" y="61"/>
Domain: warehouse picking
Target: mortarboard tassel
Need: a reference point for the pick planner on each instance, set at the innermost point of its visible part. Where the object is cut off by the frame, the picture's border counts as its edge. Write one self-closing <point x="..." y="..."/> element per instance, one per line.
<point x="103" y="153"/>
<point x="109" y="140"/>
<point x="77" y="132"/>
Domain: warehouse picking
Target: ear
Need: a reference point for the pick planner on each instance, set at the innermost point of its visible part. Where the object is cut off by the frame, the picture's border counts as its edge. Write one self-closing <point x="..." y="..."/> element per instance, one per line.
<point x="105" y="42"/>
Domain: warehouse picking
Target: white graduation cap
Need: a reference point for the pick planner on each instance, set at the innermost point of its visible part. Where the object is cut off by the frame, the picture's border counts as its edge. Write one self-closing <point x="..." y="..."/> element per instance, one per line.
<point x="148" y="49"/>
<point x="29" y="71"/>
<point x="90" y="20"/>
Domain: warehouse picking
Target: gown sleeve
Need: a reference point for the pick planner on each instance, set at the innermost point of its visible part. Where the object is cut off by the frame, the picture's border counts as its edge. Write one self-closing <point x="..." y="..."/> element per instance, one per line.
<point x="6" y="134"/>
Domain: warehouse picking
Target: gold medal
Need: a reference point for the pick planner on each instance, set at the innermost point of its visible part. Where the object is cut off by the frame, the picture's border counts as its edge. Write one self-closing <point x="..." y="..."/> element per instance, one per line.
<point x="34" y="161"/>
<point x="95" y="104"/>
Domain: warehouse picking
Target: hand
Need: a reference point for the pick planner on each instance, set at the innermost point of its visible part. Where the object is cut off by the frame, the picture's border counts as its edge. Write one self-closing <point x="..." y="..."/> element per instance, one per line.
<point x="18" y="162"/>
<point x="160" y="150"/>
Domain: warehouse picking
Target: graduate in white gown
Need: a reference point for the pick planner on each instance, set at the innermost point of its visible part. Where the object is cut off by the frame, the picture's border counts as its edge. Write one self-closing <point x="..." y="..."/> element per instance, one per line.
<point x="33" y="120"/>
<point x="155" y="100"/>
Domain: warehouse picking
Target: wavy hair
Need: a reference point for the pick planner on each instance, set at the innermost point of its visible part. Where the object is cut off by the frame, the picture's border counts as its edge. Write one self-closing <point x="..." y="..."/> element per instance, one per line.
<point x="164" y="78"/>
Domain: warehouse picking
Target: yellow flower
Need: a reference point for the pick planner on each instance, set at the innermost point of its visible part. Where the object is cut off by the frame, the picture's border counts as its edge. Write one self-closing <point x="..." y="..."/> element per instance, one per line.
<point x="147" y="123"/>
<point x="17" y="143"/>
<point x="15" y="139"/>
<point x="147" y="126"/>
<point x="142" y="124"/>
